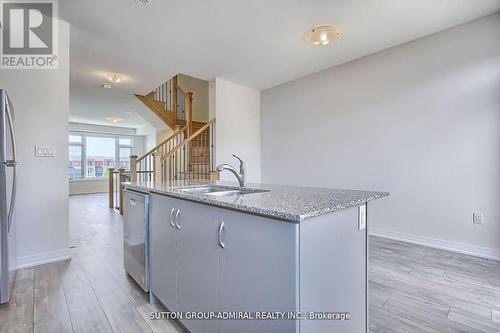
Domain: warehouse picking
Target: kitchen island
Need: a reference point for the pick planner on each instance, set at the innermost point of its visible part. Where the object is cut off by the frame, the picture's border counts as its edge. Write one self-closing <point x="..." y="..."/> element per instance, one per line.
<point x="264" y="258"/>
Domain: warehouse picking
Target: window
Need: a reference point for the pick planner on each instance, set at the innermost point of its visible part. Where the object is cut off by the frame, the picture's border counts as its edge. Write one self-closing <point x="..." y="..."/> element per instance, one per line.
<point x="92" y="155"/>
<point x="75" y="138"/>
<point x="75" y="162"/>
<point x="125" y="142"/>
<point x="125" y="157"/>
<point x="100" y="156"/>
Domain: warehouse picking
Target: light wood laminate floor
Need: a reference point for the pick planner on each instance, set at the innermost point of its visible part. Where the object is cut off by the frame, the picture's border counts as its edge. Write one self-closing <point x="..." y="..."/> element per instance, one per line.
<point x="412" y="288"/>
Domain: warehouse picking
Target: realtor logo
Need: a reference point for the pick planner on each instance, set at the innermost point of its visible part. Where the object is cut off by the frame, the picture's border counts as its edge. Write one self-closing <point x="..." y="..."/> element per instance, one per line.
<point x="29" y="34"/>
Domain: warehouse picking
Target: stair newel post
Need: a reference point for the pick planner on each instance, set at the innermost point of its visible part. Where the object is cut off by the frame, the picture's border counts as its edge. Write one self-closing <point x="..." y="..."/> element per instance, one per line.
<point x="121" y="175"/>
<point x="133" y="168"/>
<point x="111" y="187"/>
<point x="214" y="175"/>
<point x="157" y="168"/>
<point x="189" y="112"/>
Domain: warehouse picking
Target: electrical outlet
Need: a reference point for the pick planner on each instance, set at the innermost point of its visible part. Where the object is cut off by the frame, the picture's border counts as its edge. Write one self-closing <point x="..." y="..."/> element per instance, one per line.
<point x="477" y="218"/>
<point x="45" y="151"/>
<point x="362" y="217"/>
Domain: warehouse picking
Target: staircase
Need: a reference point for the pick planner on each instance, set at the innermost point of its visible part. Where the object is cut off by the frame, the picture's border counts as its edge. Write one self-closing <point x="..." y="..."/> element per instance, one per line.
<point x="170" y="103"/>
<point x="189" y="152"/>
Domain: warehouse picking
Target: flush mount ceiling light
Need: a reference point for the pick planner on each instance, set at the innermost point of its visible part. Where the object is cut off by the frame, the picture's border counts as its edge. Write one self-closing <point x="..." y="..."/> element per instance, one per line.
<point x="323" y="34"/>
<point x="114" y="120"/>
<point x="106" y="86"/>
<point x="113" y="77"/>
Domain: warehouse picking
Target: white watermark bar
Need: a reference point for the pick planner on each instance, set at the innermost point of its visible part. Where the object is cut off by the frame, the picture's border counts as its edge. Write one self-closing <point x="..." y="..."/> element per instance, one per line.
<point x="241" y="315"/>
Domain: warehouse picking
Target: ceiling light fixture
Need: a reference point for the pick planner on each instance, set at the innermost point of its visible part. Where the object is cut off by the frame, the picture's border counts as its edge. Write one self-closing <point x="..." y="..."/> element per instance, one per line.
<point x="323" y="34"/>
<point x="114" y="120"/>
<point x="113" y="77"/>
<point x="106" y="86"/>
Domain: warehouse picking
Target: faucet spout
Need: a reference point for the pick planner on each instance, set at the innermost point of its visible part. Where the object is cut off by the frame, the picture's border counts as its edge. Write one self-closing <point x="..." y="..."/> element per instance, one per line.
<point x="241" y="176"/>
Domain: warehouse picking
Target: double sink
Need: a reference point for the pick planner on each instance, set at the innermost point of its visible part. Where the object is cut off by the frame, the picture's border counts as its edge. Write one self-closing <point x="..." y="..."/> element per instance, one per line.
<point x="221" y="191"/>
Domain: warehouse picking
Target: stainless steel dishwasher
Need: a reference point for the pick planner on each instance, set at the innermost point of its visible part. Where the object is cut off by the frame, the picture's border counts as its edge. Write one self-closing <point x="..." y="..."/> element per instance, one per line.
<point x="136" y="237"/>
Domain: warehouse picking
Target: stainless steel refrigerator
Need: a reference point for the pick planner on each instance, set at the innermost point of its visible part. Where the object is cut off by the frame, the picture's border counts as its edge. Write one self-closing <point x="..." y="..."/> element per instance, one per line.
<point x="7" y="195"/>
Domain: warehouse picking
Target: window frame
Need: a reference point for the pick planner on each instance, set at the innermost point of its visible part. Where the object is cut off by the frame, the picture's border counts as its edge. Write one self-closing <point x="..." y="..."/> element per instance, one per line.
<point x="82" y="155"/>
<point x="118" y="146"/>
<point x="83" y="147"/>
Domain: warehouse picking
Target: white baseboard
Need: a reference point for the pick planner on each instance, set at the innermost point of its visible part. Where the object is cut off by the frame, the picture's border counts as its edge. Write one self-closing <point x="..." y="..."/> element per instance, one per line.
<point x="42" y="258"/>
<point x="473" y="250"/>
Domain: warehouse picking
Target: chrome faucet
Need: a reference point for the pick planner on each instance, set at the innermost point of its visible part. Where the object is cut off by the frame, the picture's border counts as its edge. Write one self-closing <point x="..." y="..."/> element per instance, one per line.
<point x="241" y="176"/>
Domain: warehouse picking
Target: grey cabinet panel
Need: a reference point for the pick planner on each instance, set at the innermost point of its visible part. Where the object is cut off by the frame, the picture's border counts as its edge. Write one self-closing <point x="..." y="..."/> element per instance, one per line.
<point x="265" y="265"/>
<point x="198" y="264"/>
<point x="163" y="250"/>
<point x="258" y="271"/>
<point x="333" y="271"/>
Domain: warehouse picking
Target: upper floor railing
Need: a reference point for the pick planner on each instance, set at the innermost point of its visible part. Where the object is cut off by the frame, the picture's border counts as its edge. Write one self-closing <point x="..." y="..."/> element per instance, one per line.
<point x="148" y="166"/>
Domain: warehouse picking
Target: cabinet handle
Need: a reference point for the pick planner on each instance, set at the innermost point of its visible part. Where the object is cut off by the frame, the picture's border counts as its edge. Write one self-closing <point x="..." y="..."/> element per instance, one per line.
<point x="221" y="229"/>
<point x="171" y="217"/>
<point x="132" y="202"/>
<point x="177" y="219"/>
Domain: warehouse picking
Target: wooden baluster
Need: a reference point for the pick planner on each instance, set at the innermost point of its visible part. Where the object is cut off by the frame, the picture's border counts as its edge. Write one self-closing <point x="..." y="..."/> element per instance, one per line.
<point x="111" y="187"/>
<point x="174" y="98"/>
<point x="189" y="112"/>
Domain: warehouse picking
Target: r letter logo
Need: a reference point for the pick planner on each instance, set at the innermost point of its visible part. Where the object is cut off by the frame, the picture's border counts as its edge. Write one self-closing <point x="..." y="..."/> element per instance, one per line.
<point x="29" y="34"/>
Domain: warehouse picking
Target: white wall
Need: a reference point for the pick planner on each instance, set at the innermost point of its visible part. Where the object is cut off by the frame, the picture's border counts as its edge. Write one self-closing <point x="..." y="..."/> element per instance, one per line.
<point x="149" y="134"/>
<point x="237" y="112"/>
<point x="88" y="186"/>
<point x="139" y="145"/>
<point x="163" y="135"/>
<point x="41" y="101"/>
<point x="199" y="88"/>
<point x="102" y="129"/>
<point x="421" y="120"/>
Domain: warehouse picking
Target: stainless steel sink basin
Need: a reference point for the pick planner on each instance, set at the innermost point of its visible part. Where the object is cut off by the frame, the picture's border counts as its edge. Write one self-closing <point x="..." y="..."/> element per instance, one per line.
<point x="222" y="191"/>
<point x="234" y="192"/>
<point x="205" y="189"/>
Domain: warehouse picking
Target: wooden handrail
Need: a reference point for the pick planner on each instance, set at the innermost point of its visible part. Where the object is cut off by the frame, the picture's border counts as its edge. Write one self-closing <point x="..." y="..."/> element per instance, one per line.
<point x="191" y="137"/>
<point x="184" y="93"/>
<point x="162" y="143"/>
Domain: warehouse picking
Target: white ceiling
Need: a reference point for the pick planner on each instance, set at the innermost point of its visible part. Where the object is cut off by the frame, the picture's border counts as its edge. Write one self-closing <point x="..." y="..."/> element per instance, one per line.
<point x="257" y="43"/>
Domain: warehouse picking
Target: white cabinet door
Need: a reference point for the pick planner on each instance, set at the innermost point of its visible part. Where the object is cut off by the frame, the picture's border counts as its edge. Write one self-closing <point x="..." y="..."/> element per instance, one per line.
<point x="198" y="264"/>
<point x="258" y="271"/>
<point x="163" y="236"/>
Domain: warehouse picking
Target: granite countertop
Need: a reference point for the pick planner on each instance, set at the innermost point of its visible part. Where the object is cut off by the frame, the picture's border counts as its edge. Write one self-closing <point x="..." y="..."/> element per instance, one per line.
<point x="287" y="203"/>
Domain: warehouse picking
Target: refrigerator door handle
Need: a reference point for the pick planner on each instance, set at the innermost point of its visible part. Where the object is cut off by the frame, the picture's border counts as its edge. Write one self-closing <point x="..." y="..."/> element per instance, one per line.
<point x="9" y="163"/>
<point x="12" y="163"/>
<point x="12" y="197"/>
